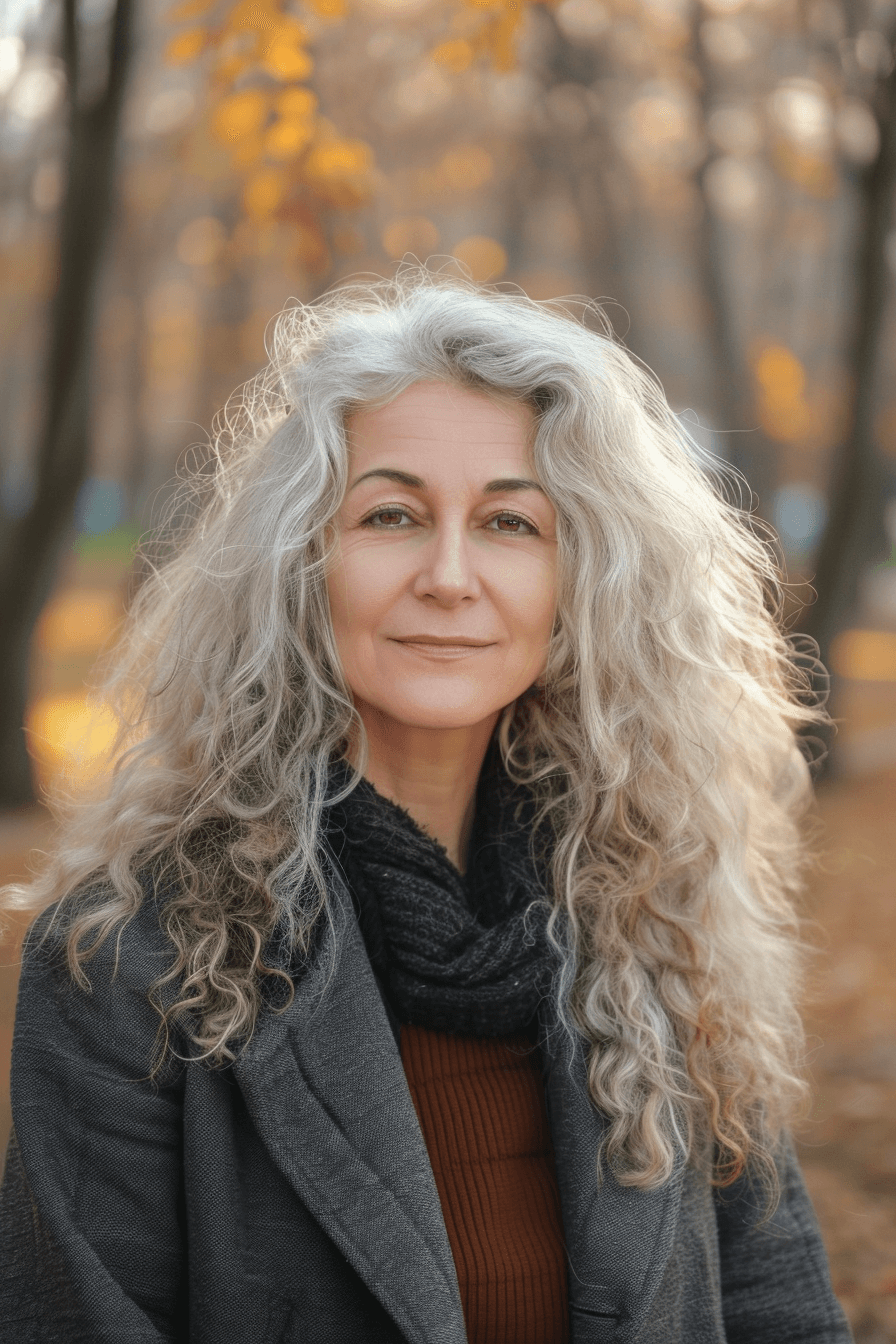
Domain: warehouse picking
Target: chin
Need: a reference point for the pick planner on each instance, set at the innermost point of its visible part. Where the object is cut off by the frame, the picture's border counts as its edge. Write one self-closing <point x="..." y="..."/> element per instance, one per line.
<point x="439" y="716"/>
<point x="438" y="710"/>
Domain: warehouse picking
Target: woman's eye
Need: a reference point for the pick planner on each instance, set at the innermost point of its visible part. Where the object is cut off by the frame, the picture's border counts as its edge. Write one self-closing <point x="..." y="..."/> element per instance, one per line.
<point x="386" y="519"/>
<point x="513" y="525"/>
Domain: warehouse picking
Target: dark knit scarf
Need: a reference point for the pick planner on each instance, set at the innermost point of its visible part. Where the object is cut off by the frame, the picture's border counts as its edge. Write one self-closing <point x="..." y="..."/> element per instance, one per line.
<point x="458" y="953"/>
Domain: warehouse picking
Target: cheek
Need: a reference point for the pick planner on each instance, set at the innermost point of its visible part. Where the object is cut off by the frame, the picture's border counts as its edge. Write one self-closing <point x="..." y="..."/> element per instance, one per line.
<point x="361" y="590"/>
<point x="534" y="602"/>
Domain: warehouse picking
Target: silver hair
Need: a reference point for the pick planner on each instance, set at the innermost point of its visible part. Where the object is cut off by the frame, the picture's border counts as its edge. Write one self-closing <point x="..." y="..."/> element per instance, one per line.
<point x="662" y="748"/>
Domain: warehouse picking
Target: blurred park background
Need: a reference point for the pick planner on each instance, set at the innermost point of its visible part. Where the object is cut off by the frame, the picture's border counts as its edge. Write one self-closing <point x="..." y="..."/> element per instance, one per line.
<point x="720" y="174"/>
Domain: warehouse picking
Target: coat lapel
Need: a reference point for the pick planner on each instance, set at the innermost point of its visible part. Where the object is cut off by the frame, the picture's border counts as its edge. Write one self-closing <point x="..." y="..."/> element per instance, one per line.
<point x="618" y="1239"/>
<point x="326" y="1090"/>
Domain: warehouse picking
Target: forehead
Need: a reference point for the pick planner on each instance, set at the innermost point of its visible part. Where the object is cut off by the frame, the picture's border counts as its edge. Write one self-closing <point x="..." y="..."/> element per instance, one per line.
<point x="433" y="415"/>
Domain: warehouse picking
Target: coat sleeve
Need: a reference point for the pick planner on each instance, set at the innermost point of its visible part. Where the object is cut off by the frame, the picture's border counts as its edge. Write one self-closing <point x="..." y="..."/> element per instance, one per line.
<point x="91" y="1221"/>
<point x="776" y="1285"/>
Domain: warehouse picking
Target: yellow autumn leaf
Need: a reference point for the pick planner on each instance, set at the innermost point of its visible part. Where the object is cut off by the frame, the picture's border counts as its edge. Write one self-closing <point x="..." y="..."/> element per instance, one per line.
<point x="264" y="192"/>
<point x="287" y="138"/>
<point x="185" y="47"/>
<point x="284" y="59"/>
<point x="259" y="15"/>
<point x="296" y="103"/>
<point x="456" y="55"/>
<point x="239" y="114"/>
<point x="339" y="157"/>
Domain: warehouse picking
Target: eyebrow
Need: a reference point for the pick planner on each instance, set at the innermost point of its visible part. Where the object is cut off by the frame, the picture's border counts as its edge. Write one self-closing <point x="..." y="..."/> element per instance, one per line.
<point x="499" y="487"/>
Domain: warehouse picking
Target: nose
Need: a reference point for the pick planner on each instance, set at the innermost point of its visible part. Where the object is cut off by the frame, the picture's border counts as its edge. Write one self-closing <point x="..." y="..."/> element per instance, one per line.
<point x="448" y="570"/>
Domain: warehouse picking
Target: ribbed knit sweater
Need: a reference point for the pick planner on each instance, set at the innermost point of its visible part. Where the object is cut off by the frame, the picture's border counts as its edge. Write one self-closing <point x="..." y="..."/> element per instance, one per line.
<point x="480" y="1102"/>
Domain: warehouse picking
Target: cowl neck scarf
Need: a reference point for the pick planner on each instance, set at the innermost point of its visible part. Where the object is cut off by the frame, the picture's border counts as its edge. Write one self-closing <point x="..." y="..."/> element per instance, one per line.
<point x="460" y="953"/>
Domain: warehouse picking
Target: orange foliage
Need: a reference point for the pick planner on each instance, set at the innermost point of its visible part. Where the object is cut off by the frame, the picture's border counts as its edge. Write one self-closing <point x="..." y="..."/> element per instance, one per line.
<point x="240" y="114"/>
<point x="485" y="257"/>
<point x="186" y="46"/>
<point x="264" y="192"/>
<point x="264" y="117"/>
<point x="339" y="170"/>
<point x="781" y="381"/>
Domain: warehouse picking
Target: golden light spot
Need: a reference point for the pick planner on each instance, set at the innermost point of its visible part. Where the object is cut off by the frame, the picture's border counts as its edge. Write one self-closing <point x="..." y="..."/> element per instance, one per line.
<point x="780" y="372"/>
<point x="781" y="378"/>
<point x="286" y="139"/>
<point x="338" y="157"/>
<point x="340" y="171"/>
<point x="78" y="621"/>
<point x="69" y="739"/>
<point x="297" y="103"/>
<point x="185" y="47"/>
<point x="285" y="59"/>
<point x="485" y="257"/>
<point x="410" y="233"/>
<point x="467" y="167"/>
<point x="264" y="192"/>
<point x="456" y="55"/>
<point x="239" y="114"/>
<point x="865" y="655"/>
<point x="201" y="242"/>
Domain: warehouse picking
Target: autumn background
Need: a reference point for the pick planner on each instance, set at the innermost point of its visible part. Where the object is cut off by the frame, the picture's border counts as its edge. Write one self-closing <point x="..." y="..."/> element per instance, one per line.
<point x="720" y="174"/>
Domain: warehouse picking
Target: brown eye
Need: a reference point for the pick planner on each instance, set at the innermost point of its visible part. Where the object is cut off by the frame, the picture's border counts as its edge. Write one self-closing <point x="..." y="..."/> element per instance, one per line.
<point x="385" y="519"/>
<point x="512" y="525"/>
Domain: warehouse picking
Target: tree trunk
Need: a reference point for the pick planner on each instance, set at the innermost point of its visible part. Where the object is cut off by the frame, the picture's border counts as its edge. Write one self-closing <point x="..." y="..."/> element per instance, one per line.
<point x="855" y="526"/>
<point x="30" y="546"/>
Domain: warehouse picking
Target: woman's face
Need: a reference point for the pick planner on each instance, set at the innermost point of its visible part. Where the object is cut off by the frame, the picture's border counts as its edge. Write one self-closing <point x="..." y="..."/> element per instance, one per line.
<point x="444" y="590"/>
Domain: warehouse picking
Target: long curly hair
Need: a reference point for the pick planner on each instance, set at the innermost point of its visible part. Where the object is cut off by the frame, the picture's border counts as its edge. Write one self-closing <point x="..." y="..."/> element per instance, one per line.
<point x="664" y="747"/>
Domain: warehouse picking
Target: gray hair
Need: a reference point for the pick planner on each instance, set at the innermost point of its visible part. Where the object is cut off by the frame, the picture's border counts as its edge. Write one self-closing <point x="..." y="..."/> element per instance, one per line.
<point x="662" y="748"/>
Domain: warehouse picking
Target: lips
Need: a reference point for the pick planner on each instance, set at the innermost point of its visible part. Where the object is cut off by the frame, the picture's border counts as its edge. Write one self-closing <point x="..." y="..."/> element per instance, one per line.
<point x="441" y="641"/>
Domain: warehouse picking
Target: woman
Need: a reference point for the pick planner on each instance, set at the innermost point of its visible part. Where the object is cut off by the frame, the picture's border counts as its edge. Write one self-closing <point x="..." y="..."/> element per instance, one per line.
<point x="427" y="970"/>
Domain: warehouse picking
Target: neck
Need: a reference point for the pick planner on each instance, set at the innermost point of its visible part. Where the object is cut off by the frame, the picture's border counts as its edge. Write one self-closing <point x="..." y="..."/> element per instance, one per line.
<point x="431" y="772"/>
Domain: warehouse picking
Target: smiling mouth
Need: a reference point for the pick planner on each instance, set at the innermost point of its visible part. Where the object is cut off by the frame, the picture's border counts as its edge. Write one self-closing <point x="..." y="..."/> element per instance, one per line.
<point x="440" y="642"/>
<point x="444" y="648"/>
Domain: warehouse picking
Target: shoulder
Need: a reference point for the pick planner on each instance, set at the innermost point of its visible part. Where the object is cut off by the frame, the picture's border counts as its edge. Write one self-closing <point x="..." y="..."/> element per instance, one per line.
<point x="112" y="1010"/>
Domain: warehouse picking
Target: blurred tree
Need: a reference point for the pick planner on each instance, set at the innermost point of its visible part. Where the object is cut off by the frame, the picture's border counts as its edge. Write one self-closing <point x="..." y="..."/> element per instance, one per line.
<point x="30" y="544"/>
<point x="855" y="532"/>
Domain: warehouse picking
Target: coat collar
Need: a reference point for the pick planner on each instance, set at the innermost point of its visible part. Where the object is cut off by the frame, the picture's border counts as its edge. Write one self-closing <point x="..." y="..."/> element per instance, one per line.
<point x="325" y="1087"/>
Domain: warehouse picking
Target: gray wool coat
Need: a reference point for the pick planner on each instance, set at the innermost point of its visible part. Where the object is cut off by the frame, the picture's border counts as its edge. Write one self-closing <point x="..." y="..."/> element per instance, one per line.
<point x="289" y="1199"/>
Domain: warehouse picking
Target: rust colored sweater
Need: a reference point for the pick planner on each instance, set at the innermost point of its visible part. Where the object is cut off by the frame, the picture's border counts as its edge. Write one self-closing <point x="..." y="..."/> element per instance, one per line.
<point x="481" y="1109"/>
